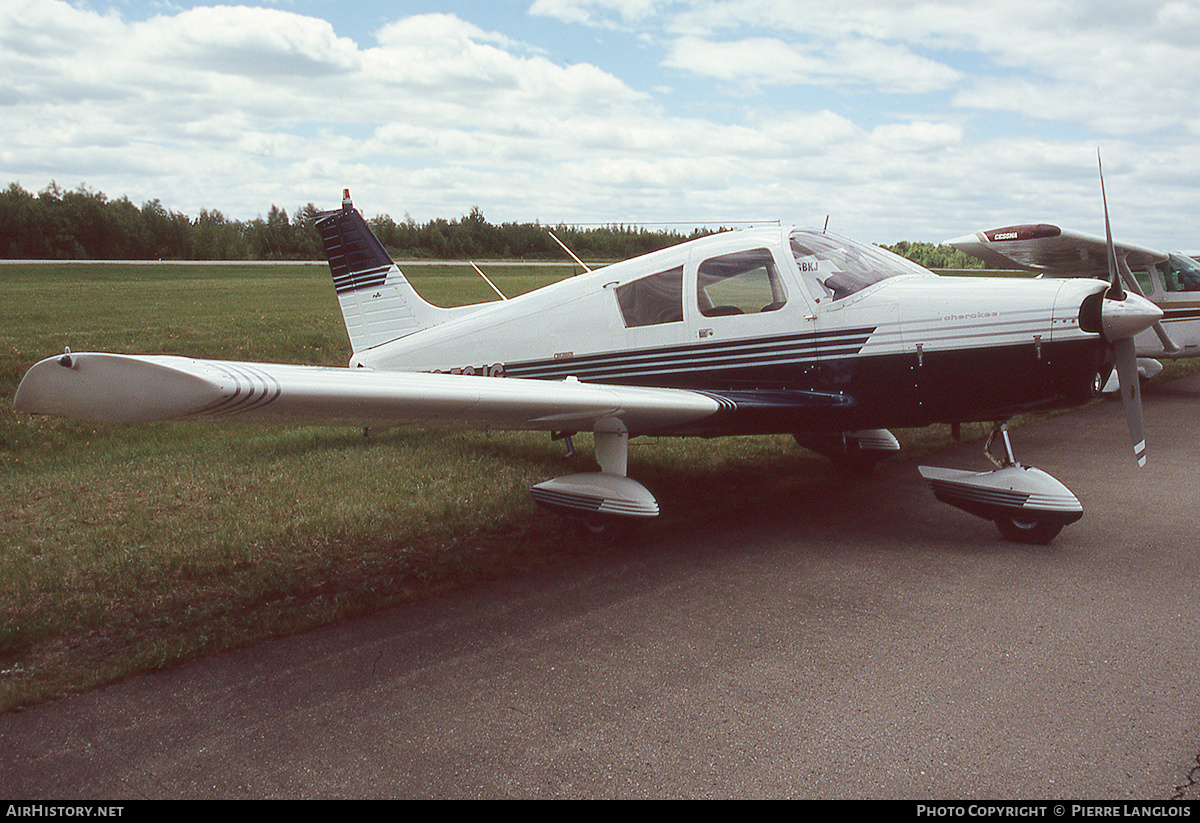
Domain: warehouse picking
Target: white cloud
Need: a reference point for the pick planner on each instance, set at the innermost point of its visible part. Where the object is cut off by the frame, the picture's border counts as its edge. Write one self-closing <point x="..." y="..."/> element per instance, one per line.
<point x="217" y="83"/>
<point x="769" y="61"/>
<point x="1018" y="97"/>
<point x="1109" y="66"/>
<point x="913" y="120"/>
<point x="602" y="13"/>
<point x="248" y="41"/>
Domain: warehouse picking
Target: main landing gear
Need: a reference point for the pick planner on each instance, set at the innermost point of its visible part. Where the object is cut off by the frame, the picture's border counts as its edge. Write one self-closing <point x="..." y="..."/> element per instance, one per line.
<point x="601" y="501"/>
<point x="1026" y="504"/>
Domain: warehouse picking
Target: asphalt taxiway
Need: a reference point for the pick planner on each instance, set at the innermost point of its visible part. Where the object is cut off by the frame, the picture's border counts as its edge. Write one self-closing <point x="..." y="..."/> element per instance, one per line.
<point x="869" y="642"/>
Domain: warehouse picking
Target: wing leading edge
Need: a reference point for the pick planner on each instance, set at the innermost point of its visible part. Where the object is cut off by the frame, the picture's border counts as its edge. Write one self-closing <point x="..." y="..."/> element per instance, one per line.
<point x="136" y="388"/>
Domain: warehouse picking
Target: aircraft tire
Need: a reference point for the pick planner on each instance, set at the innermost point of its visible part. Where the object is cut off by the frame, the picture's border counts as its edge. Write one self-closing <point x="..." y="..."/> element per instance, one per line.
<point x="606" y="530"/>
<point x="1032" y="532"/>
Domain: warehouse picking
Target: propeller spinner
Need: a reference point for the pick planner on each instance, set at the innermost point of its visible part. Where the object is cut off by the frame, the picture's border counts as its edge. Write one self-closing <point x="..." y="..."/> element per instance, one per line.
<point x="1123" y="315"/>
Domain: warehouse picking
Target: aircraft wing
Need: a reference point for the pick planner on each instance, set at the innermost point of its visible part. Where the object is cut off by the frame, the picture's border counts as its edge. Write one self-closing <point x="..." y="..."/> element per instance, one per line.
<point x="1045" y="248"/>
<point x="141" y="388"/>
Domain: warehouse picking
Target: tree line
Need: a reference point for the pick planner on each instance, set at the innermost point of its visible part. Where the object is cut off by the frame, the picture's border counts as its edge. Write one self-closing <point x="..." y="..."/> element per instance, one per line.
<point x="82" y="224"/>
<point x="935" y="256"/>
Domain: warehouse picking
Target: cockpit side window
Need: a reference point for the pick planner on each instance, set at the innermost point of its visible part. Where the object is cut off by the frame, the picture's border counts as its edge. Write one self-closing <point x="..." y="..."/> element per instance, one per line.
<point x="1181" y="273"/>
<point x="652" y="300"/>
<point x="743" y="283"/>
<point x="839" y="267"/>
<point x="1144" y="280"/>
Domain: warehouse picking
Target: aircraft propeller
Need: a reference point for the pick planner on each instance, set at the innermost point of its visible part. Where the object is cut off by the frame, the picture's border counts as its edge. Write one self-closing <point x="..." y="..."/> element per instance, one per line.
<point x="1122" y="316"/>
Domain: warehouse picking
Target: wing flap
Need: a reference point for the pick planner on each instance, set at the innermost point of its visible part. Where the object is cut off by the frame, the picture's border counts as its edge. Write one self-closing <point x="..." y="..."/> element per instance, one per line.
<point x="136" y="388"/>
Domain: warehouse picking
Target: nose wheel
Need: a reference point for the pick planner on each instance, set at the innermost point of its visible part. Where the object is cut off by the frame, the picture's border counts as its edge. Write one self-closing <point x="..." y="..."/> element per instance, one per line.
<point x="1032" y="532"/>
<point x="1026" y="504"/>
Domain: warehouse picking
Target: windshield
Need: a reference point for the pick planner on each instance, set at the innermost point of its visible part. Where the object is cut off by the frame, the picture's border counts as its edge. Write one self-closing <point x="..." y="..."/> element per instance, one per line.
<point x="839" y="267"/>
<point x="1181" y="274"/>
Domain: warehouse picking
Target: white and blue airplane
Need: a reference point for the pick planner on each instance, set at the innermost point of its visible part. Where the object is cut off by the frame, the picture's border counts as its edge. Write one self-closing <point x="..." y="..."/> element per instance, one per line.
<point x="766" y="330"/>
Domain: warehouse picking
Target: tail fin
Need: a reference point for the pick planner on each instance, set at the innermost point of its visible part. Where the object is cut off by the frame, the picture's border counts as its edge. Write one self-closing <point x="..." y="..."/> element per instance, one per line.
<point x="378" y="303"/>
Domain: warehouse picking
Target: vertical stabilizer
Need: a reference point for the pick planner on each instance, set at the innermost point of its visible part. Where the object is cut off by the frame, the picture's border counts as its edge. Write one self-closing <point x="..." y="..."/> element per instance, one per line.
<point x="378" y="303"/>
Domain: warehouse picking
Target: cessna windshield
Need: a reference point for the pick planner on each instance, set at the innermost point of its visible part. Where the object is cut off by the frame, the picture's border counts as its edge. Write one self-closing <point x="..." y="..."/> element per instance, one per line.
<point x="1181" y="274"/>
<point x="839" y="267"/>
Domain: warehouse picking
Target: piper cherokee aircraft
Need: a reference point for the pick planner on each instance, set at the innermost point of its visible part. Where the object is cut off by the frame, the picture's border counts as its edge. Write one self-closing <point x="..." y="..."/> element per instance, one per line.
<point x="767" y="330"/>
<point x="1171" y="280"/>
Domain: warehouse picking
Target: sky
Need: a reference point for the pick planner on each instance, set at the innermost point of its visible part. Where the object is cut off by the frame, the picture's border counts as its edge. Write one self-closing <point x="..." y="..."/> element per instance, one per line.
<point x="896" y="120"/>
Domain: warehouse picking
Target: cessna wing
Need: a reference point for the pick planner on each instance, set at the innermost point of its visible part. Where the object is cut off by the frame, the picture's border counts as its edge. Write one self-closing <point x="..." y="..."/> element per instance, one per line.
<point x="1042" y="247"/>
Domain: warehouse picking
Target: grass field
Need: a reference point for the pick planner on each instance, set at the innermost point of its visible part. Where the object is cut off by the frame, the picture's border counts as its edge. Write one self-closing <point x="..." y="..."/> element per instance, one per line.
<point x="129" y="548"/>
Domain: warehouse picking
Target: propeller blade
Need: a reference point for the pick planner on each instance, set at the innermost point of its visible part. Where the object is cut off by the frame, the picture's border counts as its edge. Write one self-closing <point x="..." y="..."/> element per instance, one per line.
<point x="1116" y="291"/>
<point x="1131" y="396"/>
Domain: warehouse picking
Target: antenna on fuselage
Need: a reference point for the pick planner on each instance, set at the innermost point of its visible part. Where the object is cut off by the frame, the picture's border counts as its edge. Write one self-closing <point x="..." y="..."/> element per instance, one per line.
<point x="568" y="251"/>
<point x="488" y="281"/>
<point x="826" y="225"/>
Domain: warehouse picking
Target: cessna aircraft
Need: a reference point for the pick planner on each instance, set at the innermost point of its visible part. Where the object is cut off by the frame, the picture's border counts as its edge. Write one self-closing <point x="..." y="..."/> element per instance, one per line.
<point x="767" y="330"/>
<point x="1171" y="280"/>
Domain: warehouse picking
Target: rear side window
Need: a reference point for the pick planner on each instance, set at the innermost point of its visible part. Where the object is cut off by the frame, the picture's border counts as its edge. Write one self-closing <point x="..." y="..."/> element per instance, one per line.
<point x="742" y="283"/>
<point x="652" y="300"/>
